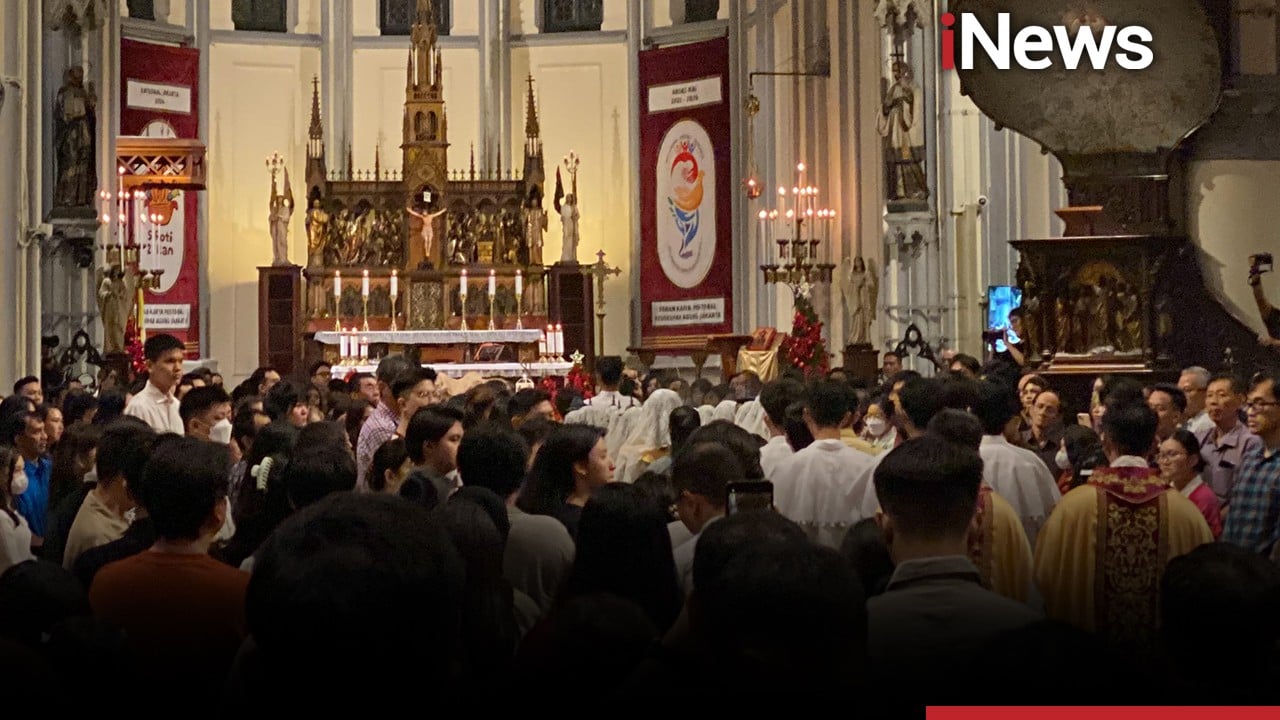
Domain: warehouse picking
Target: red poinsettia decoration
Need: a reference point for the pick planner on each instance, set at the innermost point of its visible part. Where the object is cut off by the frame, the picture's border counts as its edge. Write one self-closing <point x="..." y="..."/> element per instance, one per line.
<point x="133" y="348"/>
<point x="804" y="349"/>
<point x="579" y="380"/>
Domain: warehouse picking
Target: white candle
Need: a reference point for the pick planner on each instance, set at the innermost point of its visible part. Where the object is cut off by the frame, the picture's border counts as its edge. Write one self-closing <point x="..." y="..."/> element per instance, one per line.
<point x="559" y="340"/>
<point x="395" y="283"/>
<point x="550" y="335"/>
<point x="337" y="284"/>
<point x="519" y="284"/>
<point x="364" y="284"/>
<point x="364" y="348"/>
<point x="493" y="283"/>
<point x="343" y="348"/>
<point x="462" y="284"/>
<point x="542" y="345"/>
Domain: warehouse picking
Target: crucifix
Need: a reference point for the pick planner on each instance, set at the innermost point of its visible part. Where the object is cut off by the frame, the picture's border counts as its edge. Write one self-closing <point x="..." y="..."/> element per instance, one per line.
<point x="601" y="271"/>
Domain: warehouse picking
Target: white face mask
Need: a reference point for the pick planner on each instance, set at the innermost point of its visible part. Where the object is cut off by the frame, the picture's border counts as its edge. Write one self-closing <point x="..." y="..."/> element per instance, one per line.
<point x="876" y="426"/>
<point x="221" y="432"/>
<point x="1063" y="462"/>
<point x="19" y="484"/>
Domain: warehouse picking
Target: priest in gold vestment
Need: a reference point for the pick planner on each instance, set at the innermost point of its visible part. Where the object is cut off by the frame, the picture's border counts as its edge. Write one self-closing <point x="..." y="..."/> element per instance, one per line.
<point x="1100" y="556"/>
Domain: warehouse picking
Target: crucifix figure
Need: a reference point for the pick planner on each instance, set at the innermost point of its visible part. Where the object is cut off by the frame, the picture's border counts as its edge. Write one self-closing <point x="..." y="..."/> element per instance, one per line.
<point x="601" y="271"/>
<point x="428" y="232"/>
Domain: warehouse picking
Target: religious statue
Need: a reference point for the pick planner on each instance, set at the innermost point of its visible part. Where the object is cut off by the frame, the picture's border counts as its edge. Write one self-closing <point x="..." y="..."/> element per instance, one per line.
<point x="859" y="290"/>
<point x="117" y="291"/>
<point x="901" y="125"/>
<point x="73" y="136"/>
<point x="1062" y="323"/>
<point x="1128" y="325"/>
<point x="569" y="223"/>
<point x="535" y="223"/>
<point x="428" y="233"/>
<point x="317" y="230"/>
<point x="280" y="214"/>
<point x="1031" y="304"/>
<point x="462" y="237"/>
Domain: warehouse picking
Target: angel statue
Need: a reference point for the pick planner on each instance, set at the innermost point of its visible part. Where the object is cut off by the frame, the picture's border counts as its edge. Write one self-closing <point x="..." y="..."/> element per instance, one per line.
<point x="859" y="290"/>
<point x="117" y="291"/>
<point x="281" y="212"/>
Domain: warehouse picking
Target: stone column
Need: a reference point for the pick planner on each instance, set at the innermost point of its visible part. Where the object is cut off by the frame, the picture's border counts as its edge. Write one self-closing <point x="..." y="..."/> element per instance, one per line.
<point x="11" y="61"/>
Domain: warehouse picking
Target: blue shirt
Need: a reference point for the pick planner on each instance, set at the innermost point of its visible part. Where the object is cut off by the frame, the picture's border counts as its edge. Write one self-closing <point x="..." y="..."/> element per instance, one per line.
<point x="34" y="503"/>
<point x="1254" y="520"/>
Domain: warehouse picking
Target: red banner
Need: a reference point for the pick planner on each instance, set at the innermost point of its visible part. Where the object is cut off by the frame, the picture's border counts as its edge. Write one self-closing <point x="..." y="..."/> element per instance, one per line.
<point x="686" y="223"/>
<point x="160" y="93"/>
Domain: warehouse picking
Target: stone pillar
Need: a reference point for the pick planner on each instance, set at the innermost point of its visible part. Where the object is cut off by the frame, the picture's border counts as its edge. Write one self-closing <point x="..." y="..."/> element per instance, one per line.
<point x="11" y="61"/>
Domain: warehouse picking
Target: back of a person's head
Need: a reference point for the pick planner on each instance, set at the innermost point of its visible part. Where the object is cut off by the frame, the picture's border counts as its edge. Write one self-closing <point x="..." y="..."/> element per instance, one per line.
<point x="996" y="404"/>
<point x="473" y="527"/>
<point x="524" y="401"/>
<point x="493" y="458"/>
<point x="200" y="400"/>
<point x="35" y="596"/>
<point x="597" y="639"/>
<point x="777" y="395"/>
<point x="744" y="445"/>
<point x="958" y="392"/>
<point x="322" y="434"/>
<point x="609" y="368"/>
<point x="567" y="400"/>
<point x="797" y="432"/>
<point x="76" y="405"/>
<point x="864" y="548"/>
<point x="1130" y="427"/>
<point x="391" y="367"/>
<point x="535" y="431"/>
<point x="1221" y="599"/>
<point x="157" y="346"/>
<point x="111" y="405"/>
<point x="929" y="488"/>
<point x="968" y="362"/>
<point x="920" y="399"/>
<point x="829" y="402"/>
<point x="1120" y="389"/>
<point x="421" y="489"/>
<point x="706" y="469"/>
<point x="124" y="447"/>
<point x="623" y="547"/>
<point x="957" y="427"/>
<point x="720" y="541"/>
<point x="318" y="470"/>
<point x="684" y="420"/>
<point x="182" y="482"/>
<point x="281" y="399"/>
<point x="783" y="616"/>
<point x="355" y="576"/>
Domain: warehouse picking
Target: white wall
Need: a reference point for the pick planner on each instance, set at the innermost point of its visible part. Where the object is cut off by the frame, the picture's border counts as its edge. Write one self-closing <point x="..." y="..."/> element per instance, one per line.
<point x="260" y="102"/>
<point x="581" y="88"/>
<point x="1232" y="214"/>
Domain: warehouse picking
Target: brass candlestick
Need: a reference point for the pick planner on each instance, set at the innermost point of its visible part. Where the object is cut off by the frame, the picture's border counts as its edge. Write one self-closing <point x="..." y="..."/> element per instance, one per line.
<point x="394" y="314"/>
<point x="519" y="312"/>
<point x="491" y="302"/>
<point x="365" y="302"/>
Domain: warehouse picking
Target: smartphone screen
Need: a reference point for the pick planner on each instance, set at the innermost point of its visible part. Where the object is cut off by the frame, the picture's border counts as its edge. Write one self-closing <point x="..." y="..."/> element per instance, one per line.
<point x="744" y="496"/>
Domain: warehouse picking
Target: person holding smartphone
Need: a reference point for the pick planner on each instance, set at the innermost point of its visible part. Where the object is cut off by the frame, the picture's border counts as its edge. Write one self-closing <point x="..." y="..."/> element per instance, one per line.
<point x="1259" y="264"/>
<point x="1010" y="346"/>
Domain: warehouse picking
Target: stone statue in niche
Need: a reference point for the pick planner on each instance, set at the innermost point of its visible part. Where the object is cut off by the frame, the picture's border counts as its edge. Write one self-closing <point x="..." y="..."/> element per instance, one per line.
<point x="317" y="229"/>
<point x="74" y="111"/>
<point x="859" y="290"/>
<point x="535" y="223"/>
<point x="902" y="127"/>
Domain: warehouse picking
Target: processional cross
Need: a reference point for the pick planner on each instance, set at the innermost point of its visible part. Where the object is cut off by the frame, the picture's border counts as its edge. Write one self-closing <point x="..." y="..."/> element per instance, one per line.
<point x="601" y="271"/>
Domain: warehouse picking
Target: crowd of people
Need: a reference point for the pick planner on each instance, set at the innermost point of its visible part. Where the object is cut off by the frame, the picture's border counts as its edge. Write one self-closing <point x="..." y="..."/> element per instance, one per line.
<point x="951" y="539"/>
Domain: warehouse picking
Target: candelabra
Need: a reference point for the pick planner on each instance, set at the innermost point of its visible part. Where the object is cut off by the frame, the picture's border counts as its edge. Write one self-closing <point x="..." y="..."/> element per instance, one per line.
<point x="128" y="253"/>
<point x="805" y="228"/>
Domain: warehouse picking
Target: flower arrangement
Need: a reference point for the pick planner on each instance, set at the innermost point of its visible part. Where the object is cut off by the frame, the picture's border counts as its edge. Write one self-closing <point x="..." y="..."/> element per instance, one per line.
<point x="804" y="349"/>
<point x="133" y="348"/>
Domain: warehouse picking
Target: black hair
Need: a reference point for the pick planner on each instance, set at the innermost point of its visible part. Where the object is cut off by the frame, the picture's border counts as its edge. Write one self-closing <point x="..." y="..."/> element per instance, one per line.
<point x="829" y="401"/>
<point x="36" y="597"/>
<point x="391" y="455"/>
<point x="15" y="404"/>
<point x="124" y="448"/>
<point x="183" y="481"/>
<point x="1084" y="452"/>
<point x="777" y="395"/>
<point x="1130" y="426"/>
<point x="526" y="400"/>
<point x="281" y="399"/>
<point x="683" y="421"/>
<point x="968" y="362"/>
<point x="23" y="382"/>
<point x="1175" y="394"/>
<point x="1121" y="390"/>
<point x="881" y="401"/>
<point x="996" y="404"/>
<point x="1271" y="376"/>
<point x="920" y="399"/>
<point x="14" y="425"/>
<point x="76" y="405"/>
<point x="627" y="387"/>
<point x="157" y="346"/>
<point x="701" y="385"/>
<point x="744" y="445"/>
<point x="353" y="383"/>
<point x="257" y="511"/>
<point x="422" y="489"/>
<point x="565" y="399"/>
<point x="752" y="384"/>
<point x="550" y="481"/>
<point x="315" y="367"/>
<point x="244" y="426"/>
<point x="958" y="427"/>
<point x="1238" y="385"/>
<point x="797" y="432"/>
<point x="410" y="379"/>
<point x="391" y="367"/>
<point x="200" y="400"/>
<point x="429" y="424"/>
<point x="706" y="469"/>
<point x="316" y="470"/>
<point x="657" y="487"/>
<point x="722" y="540"/>
<point x="475" y="519"/>
<point x="624" y="548"/>
<point x="609" y="368"/>
<point x="9" y="456"/>
<point x="111" y="404"/>
<point x="493" y="458"/>
<point x="189" y="379"/>
<point x="535" y="431"/>
<point x="1191" y="445"/>
<point x="929" y="487"/>
<point x="865" y="550"/>
<point x="355" y="576"/>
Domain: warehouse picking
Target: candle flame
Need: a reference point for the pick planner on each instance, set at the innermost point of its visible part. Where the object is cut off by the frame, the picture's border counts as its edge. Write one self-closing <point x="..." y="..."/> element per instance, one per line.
<point x="763" y="214"/>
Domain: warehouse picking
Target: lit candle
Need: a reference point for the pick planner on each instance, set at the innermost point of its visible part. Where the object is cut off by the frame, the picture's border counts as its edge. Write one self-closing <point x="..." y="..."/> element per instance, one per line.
<point x="395" y="283"/>
<point x="800" y="174"/>
<point x="364" y="348"/>
<point x="519" y="283"/>
<point x="462" y="284"/>
<point x="559" y="340"/>
<point x="551" y="339"/>
<point x="542" y="345"/>
<point x="782" y="197"/>
<point x="364" y="284"/>
<point x="493" y="283"/>
<point x="343" y="349"/>
<point x="337" y="284"/>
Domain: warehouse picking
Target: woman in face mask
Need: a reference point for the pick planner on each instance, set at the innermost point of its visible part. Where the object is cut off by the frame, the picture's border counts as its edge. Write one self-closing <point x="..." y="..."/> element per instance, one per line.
<point x="877" y="424"/>
<point x="15" y="535"/>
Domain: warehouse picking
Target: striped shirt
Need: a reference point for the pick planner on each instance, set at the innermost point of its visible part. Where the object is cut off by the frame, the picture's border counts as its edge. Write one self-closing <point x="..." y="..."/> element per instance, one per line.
<point x="379" y="428"/>
<point x="1254" y="520"/>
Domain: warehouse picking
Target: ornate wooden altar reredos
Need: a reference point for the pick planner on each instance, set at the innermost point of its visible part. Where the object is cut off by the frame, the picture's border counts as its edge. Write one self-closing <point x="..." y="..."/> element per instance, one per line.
<point x="425" y="221"/>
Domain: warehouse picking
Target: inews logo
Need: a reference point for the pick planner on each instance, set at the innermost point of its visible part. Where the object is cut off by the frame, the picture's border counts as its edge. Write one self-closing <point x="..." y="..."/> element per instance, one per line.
<point x="1034" y="46"/>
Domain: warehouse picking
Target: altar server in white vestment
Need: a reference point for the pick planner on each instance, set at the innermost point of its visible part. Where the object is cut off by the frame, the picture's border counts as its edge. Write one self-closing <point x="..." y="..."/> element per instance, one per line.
<point x="1015" y="473"/>
<point x="828" y="486"/>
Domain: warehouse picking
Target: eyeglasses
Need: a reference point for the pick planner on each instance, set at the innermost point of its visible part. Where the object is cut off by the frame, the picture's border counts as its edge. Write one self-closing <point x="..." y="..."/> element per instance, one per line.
<point x="1171" y="455"/>
<point x="1257" y="406"/>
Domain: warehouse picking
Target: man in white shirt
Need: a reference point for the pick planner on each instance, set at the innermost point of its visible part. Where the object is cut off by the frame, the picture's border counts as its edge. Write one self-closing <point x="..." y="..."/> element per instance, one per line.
<point x="1194" y="383"/>
<point x="700" y="476"/>
<point x="609" y="373"/>
<point x="156" y="405"/>
<point x="1016" y="474"/>
<point x="826" y="487"/>
<point x="775" y="398"/>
